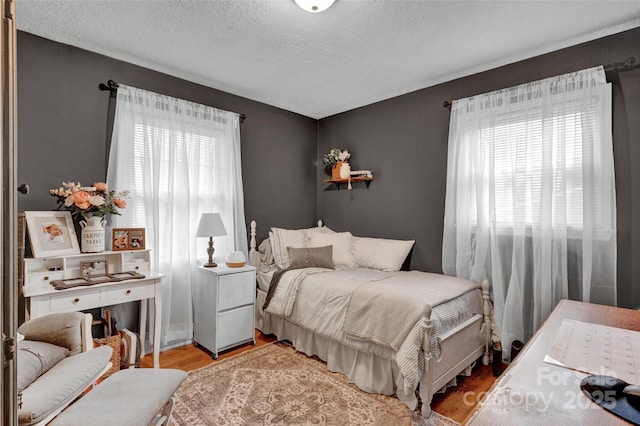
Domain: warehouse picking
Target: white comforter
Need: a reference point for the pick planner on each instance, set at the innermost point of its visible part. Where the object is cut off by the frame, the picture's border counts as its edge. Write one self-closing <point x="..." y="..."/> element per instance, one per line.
<point x="318" y="300"/>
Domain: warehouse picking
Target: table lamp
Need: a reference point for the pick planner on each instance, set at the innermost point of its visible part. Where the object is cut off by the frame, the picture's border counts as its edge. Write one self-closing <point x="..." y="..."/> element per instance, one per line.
<point x="210" y="226"/>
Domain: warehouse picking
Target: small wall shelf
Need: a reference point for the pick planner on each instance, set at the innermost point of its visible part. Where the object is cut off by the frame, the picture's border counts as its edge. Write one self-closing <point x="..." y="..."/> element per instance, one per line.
<point x="338" y="182"/>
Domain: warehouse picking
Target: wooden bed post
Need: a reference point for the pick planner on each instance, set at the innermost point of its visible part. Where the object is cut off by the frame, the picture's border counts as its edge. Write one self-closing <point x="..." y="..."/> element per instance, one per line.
<point x="487" y="321"/>
<point x="254" y="255"/>
<point x="426" y="391"/>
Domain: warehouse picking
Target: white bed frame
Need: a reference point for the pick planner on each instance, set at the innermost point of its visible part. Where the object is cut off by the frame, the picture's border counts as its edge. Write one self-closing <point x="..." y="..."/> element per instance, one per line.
<point x="458" y="348"/>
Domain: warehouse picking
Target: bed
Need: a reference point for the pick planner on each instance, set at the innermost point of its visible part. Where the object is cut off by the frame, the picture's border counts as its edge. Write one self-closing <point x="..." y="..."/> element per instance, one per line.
<point x="393" y="332"/>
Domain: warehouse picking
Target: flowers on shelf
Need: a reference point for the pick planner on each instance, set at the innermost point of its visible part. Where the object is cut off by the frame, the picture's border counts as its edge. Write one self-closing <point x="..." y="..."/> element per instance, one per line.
<point x="88" y="201"/>
<point x="334" y="156"/>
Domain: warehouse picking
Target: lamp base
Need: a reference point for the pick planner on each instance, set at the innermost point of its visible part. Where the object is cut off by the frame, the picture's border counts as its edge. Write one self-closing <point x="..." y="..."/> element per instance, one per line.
<point x="210" y="251"/>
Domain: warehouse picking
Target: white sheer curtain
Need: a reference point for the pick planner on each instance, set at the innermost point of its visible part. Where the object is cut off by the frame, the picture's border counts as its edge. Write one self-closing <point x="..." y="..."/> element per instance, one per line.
<point x="530" y="200"/>
<point x="179" y="159"/>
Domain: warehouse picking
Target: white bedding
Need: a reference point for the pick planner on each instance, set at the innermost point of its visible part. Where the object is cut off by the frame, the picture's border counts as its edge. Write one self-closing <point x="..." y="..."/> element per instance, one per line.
<point x="321" y="302"/>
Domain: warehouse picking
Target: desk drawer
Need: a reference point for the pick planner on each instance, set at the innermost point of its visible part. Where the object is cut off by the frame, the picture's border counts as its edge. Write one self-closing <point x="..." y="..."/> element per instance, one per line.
<point x="235" y="290"/>
<point x="139" y="266"/>
<point x="122" y="294"/>
<point x="75" y="302"/>
<point x="44" y="278"/>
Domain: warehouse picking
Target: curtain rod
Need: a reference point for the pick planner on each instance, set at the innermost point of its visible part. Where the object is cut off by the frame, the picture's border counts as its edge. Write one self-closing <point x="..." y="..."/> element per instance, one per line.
<point x="112" y="87"/>
<point x="615" y="67"/>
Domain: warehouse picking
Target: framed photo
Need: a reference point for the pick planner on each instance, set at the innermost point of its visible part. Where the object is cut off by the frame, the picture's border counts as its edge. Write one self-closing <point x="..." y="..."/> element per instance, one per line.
<point x="120" y="239"/>
<point x="136" y="238"/>
<point x="128" y="239"/>
<point x="51" y="234"/>
<point x="93" y="268"/>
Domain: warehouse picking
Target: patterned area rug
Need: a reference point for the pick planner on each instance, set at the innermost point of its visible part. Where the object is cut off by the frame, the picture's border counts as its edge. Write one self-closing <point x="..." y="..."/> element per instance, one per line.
<point x="274" y="384"/>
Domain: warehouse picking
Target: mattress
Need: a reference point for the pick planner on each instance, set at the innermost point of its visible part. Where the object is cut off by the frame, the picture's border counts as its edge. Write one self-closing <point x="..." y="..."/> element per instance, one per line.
<point x="444" y="317"/>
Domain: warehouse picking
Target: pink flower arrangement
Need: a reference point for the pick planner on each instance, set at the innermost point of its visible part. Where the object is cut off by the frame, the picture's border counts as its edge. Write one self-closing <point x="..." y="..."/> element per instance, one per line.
<point x="87" y="201"/>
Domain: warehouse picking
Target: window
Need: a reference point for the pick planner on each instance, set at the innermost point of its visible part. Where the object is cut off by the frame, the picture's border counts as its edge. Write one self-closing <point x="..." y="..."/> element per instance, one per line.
<point x="530" y="200"/>
<point x="178" y="159"/>
<point x="521" y="159"/>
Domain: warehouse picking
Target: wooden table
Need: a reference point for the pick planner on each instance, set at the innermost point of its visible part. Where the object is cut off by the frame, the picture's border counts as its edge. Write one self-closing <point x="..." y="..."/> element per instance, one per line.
<point x="532" y="392"/>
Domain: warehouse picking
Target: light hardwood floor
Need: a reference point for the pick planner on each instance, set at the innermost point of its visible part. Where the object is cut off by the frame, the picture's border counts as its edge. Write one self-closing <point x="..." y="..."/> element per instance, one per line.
<point x="457" y="403"/>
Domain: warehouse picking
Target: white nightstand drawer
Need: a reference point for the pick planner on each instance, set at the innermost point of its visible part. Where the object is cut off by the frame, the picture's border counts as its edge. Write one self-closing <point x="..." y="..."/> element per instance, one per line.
<point x="236" y="290"/>
<point x="122" y="294"/>
<point x="44" y="278"/>
<point x="78" y="301"/>
<point x="235" y="326"/>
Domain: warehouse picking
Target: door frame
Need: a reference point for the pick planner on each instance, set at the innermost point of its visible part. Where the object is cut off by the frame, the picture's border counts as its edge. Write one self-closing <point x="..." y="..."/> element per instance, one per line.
<point x="9" y="214"/>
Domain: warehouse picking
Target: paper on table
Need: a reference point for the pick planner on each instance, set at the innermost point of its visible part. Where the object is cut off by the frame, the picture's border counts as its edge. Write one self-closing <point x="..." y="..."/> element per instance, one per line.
<point x="597" y="349"/>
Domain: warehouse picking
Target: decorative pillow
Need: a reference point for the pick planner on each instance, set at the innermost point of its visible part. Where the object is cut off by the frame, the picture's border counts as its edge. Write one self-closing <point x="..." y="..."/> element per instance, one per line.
<point x="281" y="239"/>
<point x="341" y="242"/>
<point x="61" y="329"/>
<point x="311" y="257"/>
<point x="36" y="358"/>
<point x="381" y="253"/>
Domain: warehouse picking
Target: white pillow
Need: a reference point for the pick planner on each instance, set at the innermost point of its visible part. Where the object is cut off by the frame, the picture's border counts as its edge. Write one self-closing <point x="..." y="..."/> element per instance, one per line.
<point x="282" y="238"/>
<point x="341" y="242"/>
<point x="380" y="253"/>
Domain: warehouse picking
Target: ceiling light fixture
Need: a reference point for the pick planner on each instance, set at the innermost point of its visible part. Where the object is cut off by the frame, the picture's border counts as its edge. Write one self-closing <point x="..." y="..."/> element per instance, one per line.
<point x="314" y="6"/>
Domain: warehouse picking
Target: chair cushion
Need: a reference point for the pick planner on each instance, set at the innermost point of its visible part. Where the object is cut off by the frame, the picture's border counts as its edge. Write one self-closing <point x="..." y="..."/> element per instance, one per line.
<point x="35" y="359"/>
<point x="60" y="329"/>
<point x="129" y="397"/>
<point x="59" y="386"/>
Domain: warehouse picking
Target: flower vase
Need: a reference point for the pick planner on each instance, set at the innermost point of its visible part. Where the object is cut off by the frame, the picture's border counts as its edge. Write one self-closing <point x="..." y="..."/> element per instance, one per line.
<point x="335" y="170"/>
<point x="92" y="234"/>
<point x="345" y="170"/>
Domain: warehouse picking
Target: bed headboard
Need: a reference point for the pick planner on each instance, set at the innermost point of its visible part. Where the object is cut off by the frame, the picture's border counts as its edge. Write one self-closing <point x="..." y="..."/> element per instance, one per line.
<point x="254" y="255"/>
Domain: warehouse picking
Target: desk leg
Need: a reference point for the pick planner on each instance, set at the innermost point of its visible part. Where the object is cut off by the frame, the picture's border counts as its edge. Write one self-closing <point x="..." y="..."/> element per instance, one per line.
<point x="143" y="324"/>
<point x="157" y="321"/>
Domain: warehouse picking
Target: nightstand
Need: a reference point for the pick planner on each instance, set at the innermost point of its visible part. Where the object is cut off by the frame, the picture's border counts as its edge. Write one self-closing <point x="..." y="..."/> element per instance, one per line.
<point x="223" y="303"/>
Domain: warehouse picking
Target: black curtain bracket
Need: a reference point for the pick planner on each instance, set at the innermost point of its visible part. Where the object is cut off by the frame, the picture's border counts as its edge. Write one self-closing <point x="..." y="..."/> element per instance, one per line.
<point x="111" y="86"/>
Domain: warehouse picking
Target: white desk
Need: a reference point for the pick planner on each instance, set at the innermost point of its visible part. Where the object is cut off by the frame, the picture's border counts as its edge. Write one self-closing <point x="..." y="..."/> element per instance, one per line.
<point x="43" y="299"/>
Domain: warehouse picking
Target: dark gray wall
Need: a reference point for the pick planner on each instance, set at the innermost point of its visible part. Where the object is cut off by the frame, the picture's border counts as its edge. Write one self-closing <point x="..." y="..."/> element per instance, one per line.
<point x="404" y="142"/>
<point x="64" y="123"/>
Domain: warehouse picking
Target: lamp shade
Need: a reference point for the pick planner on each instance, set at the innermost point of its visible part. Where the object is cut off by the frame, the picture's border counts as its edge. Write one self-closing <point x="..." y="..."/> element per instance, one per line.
<point x="210" y="226"/>
<point x="314" y="6"/>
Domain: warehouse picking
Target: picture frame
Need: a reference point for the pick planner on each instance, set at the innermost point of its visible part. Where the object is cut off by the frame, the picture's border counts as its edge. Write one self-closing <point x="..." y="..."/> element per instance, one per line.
<point x="99" y="279"/>
<point x="93" y="268"/>
<point x="69" y="283"/>
<point x="120" y="239"/>
<point x="136" y="239"/>
<point x="51" y="233"/>
<point x="122" y="276"/>
<point x="128" y="239"/>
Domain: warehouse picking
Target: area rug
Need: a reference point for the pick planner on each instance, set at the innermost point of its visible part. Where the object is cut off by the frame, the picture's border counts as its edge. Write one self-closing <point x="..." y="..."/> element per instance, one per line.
<point x="274" y="384"/>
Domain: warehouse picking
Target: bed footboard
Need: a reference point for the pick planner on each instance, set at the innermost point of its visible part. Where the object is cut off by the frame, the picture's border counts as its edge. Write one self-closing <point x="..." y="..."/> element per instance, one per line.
<point x="457" y="350"/>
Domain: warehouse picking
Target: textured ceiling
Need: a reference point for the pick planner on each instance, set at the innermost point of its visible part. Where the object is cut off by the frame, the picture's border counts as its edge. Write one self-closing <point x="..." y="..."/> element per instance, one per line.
<point x="355" y="53"/>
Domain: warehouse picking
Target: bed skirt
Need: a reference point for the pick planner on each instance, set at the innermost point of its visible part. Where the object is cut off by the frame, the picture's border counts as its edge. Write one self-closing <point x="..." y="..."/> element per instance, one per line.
<point x="368" y="371"/>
